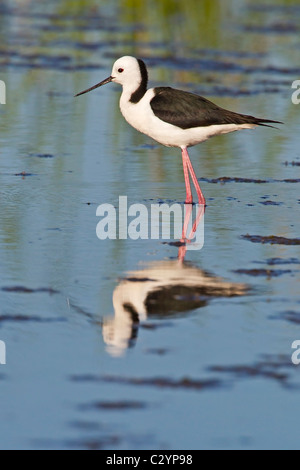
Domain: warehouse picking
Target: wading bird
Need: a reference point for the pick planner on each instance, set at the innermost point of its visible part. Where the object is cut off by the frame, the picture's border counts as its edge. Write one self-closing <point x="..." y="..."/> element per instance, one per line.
<point x="172" y="117"/>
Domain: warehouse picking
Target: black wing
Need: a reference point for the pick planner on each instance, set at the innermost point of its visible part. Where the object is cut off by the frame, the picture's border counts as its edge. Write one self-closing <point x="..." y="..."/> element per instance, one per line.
<point x="186" y="110"/>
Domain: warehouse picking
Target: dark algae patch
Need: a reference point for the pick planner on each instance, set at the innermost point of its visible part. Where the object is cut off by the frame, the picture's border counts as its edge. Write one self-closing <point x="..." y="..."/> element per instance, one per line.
<point x="290" y="316"/>
<point x="292" y="163"/>
<point x="41" y="155"/>
<point x="278" y="28"/>
<point x="24" y="174"/>
<point x="271" y="203"/>
<point x="157" y="382"/>
<point x="114" y="405"/>
<point x="268" y="367"/>
<point x="27" y="318"/>
<point x="263" y="272"/>
<point x="272" y="240"/>
<point x="26" y="290"/>
<point x="229" y="179"/>
<point x="279" y="261"/>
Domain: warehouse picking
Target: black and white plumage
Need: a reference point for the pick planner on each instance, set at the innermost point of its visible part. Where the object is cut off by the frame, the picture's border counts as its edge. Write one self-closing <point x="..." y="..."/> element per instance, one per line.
<point x="160" y="289"/>
<point x="190" y="110"/>
<point x="172" y="117"/>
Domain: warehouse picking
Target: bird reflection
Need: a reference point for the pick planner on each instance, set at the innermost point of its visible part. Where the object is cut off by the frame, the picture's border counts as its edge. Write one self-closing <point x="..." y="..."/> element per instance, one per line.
<point x="163" y="289"/>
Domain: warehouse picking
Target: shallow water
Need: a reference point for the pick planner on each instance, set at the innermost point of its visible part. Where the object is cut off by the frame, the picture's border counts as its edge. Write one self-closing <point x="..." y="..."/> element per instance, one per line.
<point x="115" y="344"/>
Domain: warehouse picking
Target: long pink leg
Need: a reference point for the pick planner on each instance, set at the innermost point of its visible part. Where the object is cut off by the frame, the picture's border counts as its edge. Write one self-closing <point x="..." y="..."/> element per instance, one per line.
<point x="199" y="216"/>
<point x="189" y="196"/>
<point x="188" y="211"/>
<point x="188" y="162"/>
<point x="185" y="240"/>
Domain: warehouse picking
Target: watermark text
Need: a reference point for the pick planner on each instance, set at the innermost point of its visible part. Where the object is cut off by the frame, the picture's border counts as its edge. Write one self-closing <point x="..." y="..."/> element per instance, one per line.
<point x="296" y="354"/>
<point x="296" y="94"/>
<point x="2" y="353"/>
<point x="156" y="222"/>
<point x="2" y="92"/>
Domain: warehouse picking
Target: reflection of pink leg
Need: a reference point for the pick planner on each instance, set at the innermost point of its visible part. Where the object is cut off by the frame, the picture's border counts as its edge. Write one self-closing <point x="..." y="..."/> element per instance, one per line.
<point x="199" y="216"/>
<point x="187" y="161"/>
<point x="188" y="212"/>
<point x="189" y="196"/>
<point x="187" y="215"/>
<point x="182" y="253"/>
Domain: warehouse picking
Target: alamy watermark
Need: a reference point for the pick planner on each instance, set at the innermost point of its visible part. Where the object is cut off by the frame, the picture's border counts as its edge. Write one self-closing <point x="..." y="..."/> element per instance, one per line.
<point x="2" y="92"/>
<point x="2" y="353"/>
<point x="158" y="221"/>
<point x="296" y="354"/>
<point x="296" y="94"/>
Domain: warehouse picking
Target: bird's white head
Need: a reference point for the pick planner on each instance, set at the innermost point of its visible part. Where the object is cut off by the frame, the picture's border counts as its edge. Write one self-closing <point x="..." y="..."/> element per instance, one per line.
<point x="129" y="72"/>
<point x="126" y="70"/>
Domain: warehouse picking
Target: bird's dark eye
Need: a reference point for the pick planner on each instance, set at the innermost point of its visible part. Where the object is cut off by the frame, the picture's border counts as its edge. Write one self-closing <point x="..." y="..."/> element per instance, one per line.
<point x="120" y="70"/>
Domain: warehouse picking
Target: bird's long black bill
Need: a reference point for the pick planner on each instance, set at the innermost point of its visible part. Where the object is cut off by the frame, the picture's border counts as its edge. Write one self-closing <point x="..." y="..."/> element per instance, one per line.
<point x="107" y="80"/>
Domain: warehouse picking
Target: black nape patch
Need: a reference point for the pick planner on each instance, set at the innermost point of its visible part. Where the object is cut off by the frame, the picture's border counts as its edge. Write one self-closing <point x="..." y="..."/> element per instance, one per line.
<point x="141" y="90"/>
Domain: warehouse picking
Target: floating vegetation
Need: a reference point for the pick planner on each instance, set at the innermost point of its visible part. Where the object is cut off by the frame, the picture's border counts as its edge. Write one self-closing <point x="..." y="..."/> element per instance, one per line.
<point x="272" y="240"/>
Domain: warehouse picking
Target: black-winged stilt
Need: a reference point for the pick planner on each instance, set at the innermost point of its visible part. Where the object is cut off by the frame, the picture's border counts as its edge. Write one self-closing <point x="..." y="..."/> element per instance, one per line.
<point x="172" y="117"/>
<point x="161" y="289"/>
